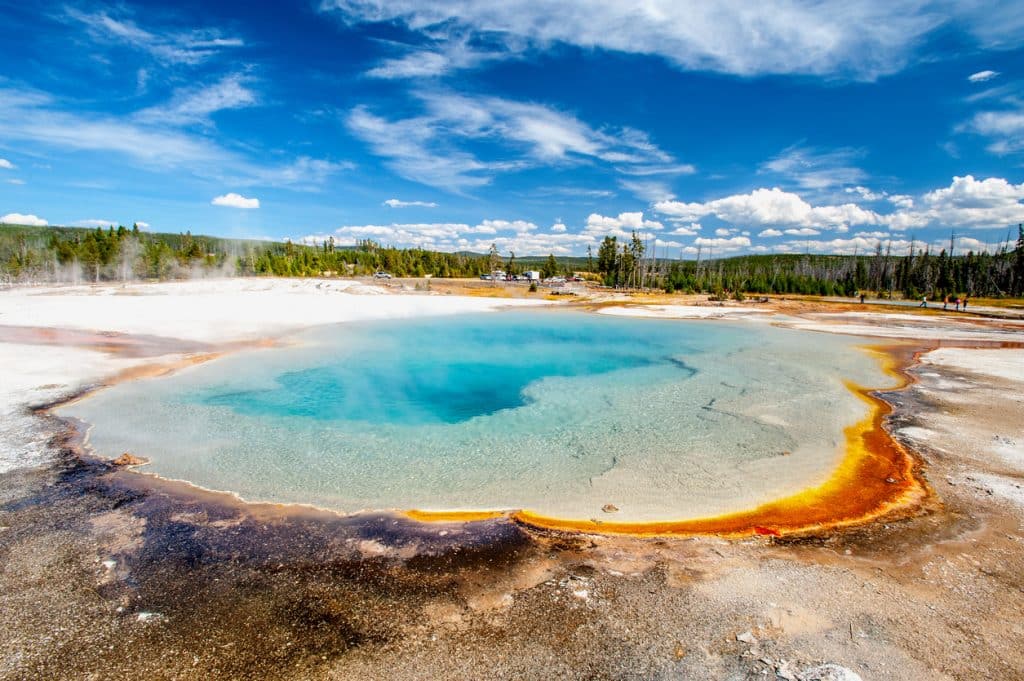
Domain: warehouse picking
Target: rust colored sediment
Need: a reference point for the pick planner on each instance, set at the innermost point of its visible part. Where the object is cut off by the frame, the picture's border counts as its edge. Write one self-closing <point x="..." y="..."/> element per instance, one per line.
<point x="876" y="478"/>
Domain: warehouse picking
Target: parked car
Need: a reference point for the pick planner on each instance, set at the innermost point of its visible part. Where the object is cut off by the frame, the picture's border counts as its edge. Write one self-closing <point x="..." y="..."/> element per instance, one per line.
<point x="381" y="275"/>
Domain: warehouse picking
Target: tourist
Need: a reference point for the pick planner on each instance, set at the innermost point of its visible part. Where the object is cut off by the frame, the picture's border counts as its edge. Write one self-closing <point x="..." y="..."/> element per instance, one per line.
<point x="924" y="301"/>
<point x="965" y="303"/>
<point x="945" y="302"/>
<point x="958" y="303"/>
<point x="862" y="297"/>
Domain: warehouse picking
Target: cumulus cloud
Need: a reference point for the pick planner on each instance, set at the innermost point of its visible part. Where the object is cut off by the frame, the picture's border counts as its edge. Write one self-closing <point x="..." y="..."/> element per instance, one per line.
<point x="5" y="164"/>
<point x="967" y="202"/>
<point x="861" y="40"/>
<point x="621" y="226"/>
<point x="721" y="244"/>
<point x="233" y="200"/>
<point x="398" y="203"/>
<point x="691" y="229"/>
<point x="866" y="194"/>
<point x="982" y="76"/>
<point x="23" y="219"/>
<point x="519" y="236"/>
<point x="770" y="207"/>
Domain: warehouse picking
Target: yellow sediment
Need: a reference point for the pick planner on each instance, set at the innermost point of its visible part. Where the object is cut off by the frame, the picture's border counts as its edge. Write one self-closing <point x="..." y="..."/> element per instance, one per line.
<point x="876" y="478"/>
<point x="453" y="516"/>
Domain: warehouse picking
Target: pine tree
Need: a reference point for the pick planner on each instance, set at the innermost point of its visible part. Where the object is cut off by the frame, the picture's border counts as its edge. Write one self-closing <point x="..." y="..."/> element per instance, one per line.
<point x="550" y="267"/>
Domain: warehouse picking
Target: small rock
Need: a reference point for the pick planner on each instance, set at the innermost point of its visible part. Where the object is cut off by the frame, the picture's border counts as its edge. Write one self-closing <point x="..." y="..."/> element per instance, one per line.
<point x="146" y="617"/>
<point x="783" y="672"/>
<point x="129" y="459"/>
<point x="610" y="508"/>
<point x="830" y="672"/>
<point x="746" y="637"/>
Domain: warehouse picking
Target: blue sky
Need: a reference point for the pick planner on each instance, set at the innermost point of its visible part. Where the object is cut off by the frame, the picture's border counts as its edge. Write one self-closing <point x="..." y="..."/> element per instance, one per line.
<point x="537" y="125"/>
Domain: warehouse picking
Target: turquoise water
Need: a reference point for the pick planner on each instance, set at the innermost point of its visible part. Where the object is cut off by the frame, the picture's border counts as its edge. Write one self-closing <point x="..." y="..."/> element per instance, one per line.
<point x="558" y="412"/>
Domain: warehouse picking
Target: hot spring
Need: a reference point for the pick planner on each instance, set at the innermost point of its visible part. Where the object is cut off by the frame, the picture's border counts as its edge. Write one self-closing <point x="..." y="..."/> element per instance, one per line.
<point x="561" y="413"/>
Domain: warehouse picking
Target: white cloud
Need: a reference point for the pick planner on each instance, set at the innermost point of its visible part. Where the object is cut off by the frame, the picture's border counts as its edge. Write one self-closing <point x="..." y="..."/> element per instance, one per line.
<point x="722" y="231"/>
<point x="171" y="47"/>
<point x="559" y="227"/>
<point x="6" y="165"/>
<point x="414" y="152"/>
<point x="866" y="193"/>
<point x="648" y="190"/>
<point x="831" y="37"/>
<point x="95" y="223"/>
<point x="982" y="76"/>
<point x="447" y="55"/>
<point x="623" y="226"/>
<point x="35" y="117"/>
<point x="1006" y="128"/>
<point x="195" y="105"/>
<point x="141" y="224"/>
<point x="966" y="202"/>
<point x="15" y="181"/>
<point x="731" y="244"/>
<point x="519" y="236"/>
<point x="687" y="230"/>
<point x="517" y="226"/>
<point x="232" y="200"/>
<point x="811" y="168"/>
<point x="425" y="148"/>
<point x="770" y="207"/>
<point x="22" y="219"/>
<point x="901" y="200"/>
<point x="398" y="203"/>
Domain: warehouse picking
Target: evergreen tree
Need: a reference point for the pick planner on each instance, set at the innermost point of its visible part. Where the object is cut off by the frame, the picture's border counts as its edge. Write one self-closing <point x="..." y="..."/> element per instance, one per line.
<point x="549" y="268"/>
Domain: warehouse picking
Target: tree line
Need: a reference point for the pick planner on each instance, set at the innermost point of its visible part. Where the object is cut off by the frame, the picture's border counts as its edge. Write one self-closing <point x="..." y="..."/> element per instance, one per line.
<point x="122" y="254"/>
<point x="920" y="272"/>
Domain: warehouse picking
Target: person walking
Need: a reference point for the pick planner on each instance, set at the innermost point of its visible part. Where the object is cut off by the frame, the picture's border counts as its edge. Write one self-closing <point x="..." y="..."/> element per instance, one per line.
<point x="958" y="303"/>
<point x="924" y="301"/>
<point x="945" y="302"/>
<point x="965" y="303"/>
